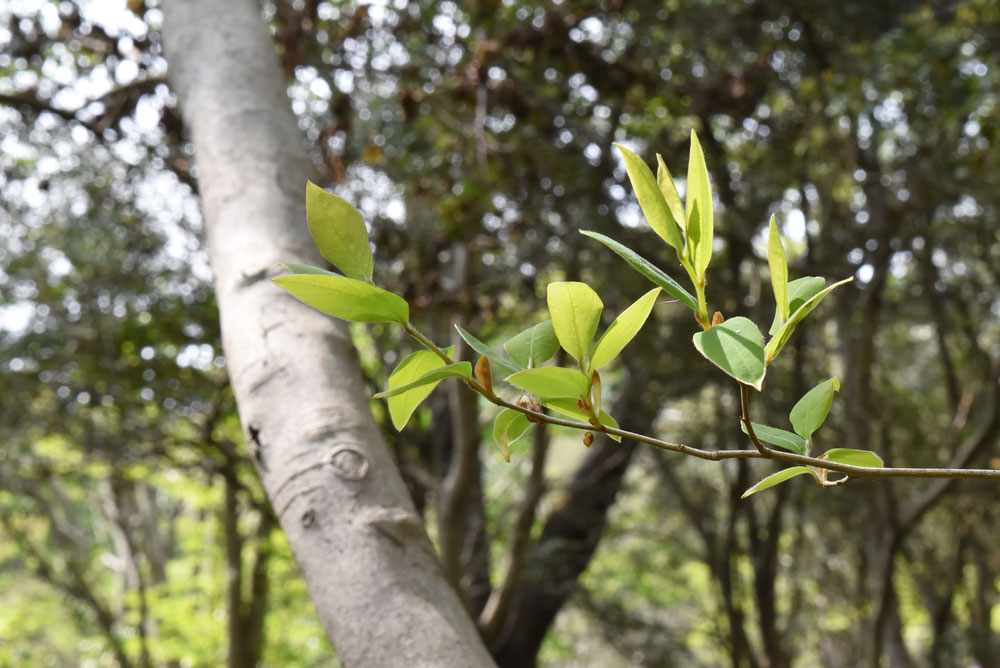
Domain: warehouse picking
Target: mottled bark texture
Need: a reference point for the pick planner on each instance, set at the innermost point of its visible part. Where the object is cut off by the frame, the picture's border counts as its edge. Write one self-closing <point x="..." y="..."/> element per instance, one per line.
<point x="335" y="488"/>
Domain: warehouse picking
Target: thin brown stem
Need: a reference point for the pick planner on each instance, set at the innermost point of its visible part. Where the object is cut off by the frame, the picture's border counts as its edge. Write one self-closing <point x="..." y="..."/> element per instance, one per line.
<point x="761" y="451"/>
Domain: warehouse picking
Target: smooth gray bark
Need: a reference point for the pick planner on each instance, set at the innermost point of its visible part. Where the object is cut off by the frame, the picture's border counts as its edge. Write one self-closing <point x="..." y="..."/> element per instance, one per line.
<point x="370" y="568"/>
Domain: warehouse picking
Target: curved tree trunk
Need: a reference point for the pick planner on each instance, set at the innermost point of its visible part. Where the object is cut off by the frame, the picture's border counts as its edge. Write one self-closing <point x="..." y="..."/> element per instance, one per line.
<point x="335" y="488"/>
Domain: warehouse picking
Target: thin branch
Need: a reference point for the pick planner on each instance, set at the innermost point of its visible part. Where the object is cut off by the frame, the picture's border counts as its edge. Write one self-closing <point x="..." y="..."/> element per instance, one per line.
<point x="761" y="452"/>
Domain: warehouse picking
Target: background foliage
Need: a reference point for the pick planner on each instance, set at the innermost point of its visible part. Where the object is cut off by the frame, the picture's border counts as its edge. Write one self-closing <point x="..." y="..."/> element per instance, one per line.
<point x="477" y="139"/>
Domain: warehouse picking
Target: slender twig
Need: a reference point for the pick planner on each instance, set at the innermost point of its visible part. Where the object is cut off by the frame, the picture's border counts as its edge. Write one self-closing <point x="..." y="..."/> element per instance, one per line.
<point x="761" y="451"/>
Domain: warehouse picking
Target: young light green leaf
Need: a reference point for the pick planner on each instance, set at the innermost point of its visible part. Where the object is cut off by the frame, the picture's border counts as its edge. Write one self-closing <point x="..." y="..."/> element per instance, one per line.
<point x="854" y="457"/>
<point x="693" y="239"/>
<point x="779" y="477"/>
<point x="623" y="330"/>
<point x="551" y="381"/>
<point x="669" y="191"/>
<point x="502" y="362"/>
<point x="509" y="426"/>
<point x="647" y="269"/>
<point x="779" y="270"/>
<point x="651" y="200"/>
<point x="412" y="367"/>
<point x="575" y="310"/>
<point x="339" y="232"/>
<point x="457" y="370"/>
<point x="800" y="291"/>
<point x="736" y="347"/>
<point x="811" y="410"/>
<point x="569" y="408"/>
<point x="346" y="298"/>
<point x="779" y="340"/>
<point x="534" y="346"/>
<point x="779" y="437"/>
<point x="699" y="193"/>
<point x="307" y="269"/>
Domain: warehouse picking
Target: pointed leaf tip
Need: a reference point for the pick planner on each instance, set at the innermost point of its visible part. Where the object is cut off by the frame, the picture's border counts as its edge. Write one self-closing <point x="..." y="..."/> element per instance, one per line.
<point x="651" y="201"/>
<point x="776" y="478"/>
<point x="339" y="232"/>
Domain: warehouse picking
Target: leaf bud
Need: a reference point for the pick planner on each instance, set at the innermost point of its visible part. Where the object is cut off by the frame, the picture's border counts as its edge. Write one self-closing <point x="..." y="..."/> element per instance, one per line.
<point x="717" y="319"/>
<point x="588" y="438"/>
<point x="484" y="375"/>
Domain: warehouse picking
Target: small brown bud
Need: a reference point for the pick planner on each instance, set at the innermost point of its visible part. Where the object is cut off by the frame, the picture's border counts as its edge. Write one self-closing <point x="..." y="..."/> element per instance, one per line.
<point x="484" y="375"/>
<point x="717" y="319"/>
<point x="524" y="402"/>
<point x="588" y="438"/>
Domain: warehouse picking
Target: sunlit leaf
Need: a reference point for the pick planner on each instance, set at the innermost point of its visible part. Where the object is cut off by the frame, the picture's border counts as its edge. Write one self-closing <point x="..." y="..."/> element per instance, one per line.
<point x="307" y="269"/>
<point x="623" y="330"/>
<point x="339" y="232"/>
<point x="811" y="410"/>
<point x="575" y="310"/>
<point x="800" y="291"/>
<point x="669" y="191"/>
<point x="346" y="298"/>
<point x="457" y="370"/>
<point x="412" y="367"/>
<point x="551" y="381"/>
<point x="779" y="477"/>
<point x="647" y="269"/>
<point x="509" y="426"/>
<point x="503" y="363"/>
<point x="779" y="437"/>
<point x="737" y="347"/>
<point x="699" y="193"/>
<point x="651" y="200"/>
<point x="779" y="340"/>
<point x="779" y="270"/>
<point x="854" y="457"/>
<point x="533" y="346"/>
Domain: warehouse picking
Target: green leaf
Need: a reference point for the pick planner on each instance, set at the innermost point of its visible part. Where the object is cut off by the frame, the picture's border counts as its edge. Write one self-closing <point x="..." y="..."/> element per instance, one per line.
<point x="669" y="191"/>
<point x="854" y="457"/>
<point x="693" y="239"/>
<point x="339" y="232"/>
<point x="457" y="370"/>
<point x="800" y="291"/>
<point x="779" y="270"/>
<point x="569" y="408"/>
<point x="534" y="346"/>
<point x="779" y="477"/>
<point x="551" y="381"/>
<point x="411" y="368"/>
<point x="623" y="330"/>
<point x="810" y="412"/>
<point x="699" y="194"/>
<point x="779" y="340"/>
<point x="307" y="269"/>
<point x="651" y="200"/>
<point x="575" y="310"/>
<point x="647" y="269"/>
<point x="736" y="347"/>
<point x="502" y="362"/>
<point x="779" y="437"/>
<point x="346" y="298"/>
<point x="509" y="426"/>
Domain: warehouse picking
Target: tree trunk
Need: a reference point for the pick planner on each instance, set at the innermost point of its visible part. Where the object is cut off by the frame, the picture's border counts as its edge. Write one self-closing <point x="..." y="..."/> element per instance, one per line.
<point x="369" y="566"/>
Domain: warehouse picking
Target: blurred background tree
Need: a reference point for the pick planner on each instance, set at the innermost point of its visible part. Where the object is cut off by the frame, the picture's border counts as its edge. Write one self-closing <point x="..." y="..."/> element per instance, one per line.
<point x="476" y="137"/>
